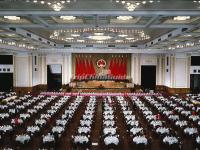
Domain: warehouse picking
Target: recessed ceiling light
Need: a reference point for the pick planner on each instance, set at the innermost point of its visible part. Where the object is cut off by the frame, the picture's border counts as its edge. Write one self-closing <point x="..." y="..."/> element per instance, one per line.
<point x="99" y="37"/>
<point x="138" y="3"/>
<point x="124" y="18"/>
<point x="69" y="38"/>
<point x="123" y="2"/>
<point x="99" y="33"/>
<point x="187" y="35"/>
<point x="67" y="17"/>
<point x="144" y="2"/>
<point x="12" y="17"/>
<point x="122" y="35"/>
<point x="99" y="41"/>
<point x="181" y="18"/>
<point x="11" y="34"/>
<point x="129" y="38"/>
<point x="80" y="40"/>
<point x="119" y="41"/>
<point x="75" y="35"/>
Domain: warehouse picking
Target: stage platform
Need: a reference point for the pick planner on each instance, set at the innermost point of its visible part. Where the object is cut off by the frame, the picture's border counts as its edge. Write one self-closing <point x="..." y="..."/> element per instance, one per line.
<point x="102" y="90"/>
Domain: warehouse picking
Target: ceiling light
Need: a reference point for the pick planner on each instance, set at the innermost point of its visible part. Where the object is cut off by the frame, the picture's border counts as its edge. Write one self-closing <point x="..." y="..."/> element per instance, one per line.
<point x="187" y="35"/>
<point x="56" y="5"/>
<point x="181" y="18"/>
<point x="129" y="38"/>
<point x="131" y="5"/>
<point x="99" y="37"/>
<point x="67" y="17"/>
<point x="11" y="34"/>
<point x="91" y="35"/>
<point x="12" y="17"/>
<point x="75" y="35"/>
<point x="118" y="41"/>
<point x="99" y="41"/>
<point x="122" y="35"/>
<point x="80" y="40"/>
<point x="99" y="33"/>
<point x="69" y="38"/>
<point x="123" y="2"/>
<point x="124" y="18"/>
<point x="144" y="2"/>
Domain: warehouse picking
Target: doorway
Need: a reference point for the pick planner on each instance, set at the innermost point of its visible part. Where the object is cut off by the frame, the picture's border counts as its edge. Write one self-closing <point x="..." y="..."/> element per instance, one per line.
<point x="6" y="80"/>
<point x="54" y="77"/>
<point x="148" y="77"/>
<point x="195" y="83"/>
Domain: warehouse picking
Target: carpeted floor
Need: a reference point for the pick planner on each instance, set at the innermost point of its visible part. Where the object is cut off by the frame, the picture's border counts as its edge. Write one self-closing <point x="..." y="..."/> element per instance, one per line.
<point x="65" y="142"/>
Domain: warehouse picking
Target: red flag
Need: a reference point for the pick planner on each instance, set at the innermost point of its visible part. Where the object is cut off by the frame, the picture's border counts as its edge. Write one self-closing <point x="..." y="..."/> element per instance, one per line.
<point x="77" y="68"/>
<point x="87" y="67"/>
<point x="120" y="68"/>
<point x="114" y="67"/>
<point x="84" y="68"/>
<point x="111" y="67"/>
<point x="117" y="68"/>
<point x="81" y="66"/>
<point x="125" y="69"/>
<point x="93" y="71"/>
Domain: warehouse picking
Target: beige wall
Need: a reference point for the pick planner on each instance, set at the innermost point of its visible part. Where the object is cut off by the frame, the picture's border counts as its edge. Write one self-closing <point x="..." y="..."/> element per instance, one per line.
<point x="178" y="75"/>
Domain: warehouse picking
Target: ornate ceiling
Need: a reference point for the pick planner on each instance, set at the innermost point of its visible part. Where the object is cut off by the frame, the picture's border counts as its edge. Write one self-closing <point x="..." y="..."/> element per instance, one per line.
<point x="159" y="26"/>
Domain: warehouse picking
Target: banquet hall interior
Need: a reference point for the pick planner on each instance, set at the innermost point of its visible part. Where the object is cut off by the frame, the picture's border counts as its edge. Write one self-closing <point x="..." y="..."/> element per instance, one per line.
<point x="99" y="74"/>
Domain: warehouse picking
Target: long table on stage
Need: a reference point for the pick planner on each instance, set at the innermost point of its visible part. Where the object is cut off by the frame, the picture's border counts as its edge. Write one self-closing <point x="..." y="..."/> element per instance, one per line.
<point x="99" y="86"/>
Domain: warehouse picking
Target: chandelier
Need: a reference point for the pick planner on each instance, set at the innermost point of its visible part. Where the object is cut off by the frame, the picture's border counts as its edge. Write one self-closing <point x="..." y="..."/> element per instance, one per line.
<point x="17" y="44"/>
<point x="56" y="5"/>
<point x="131" y="5"/>
<point x="99" y="35"/>
<point x="184" y="45"/>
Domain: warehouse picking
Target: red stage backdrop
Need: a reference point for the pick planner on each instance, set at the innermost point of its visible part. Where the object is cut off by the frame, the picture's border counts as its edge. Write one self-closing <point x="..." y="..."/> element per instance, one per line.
<point x="112" y="66"/>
